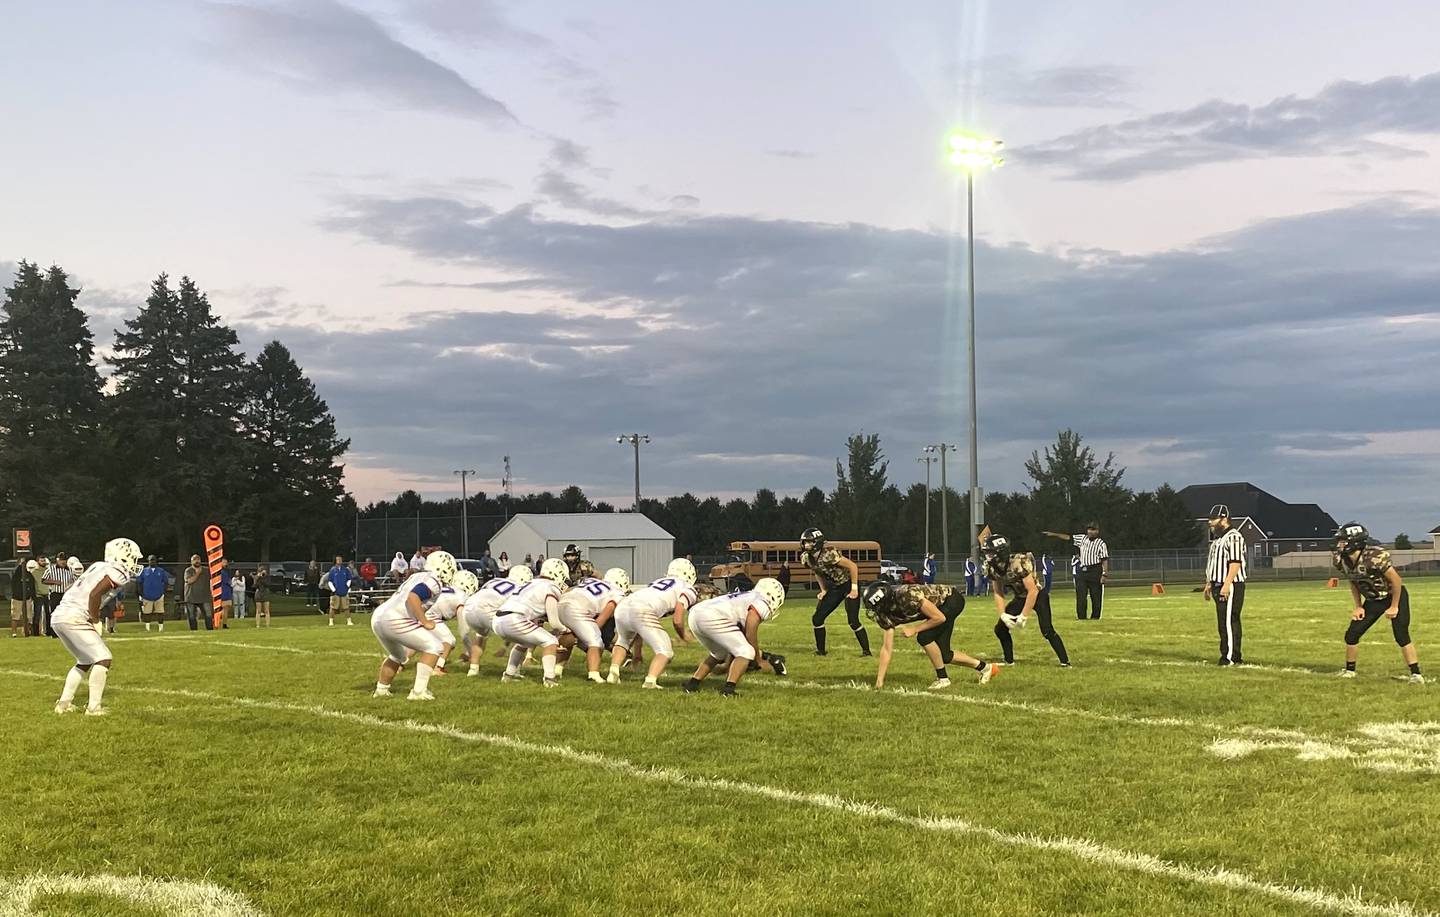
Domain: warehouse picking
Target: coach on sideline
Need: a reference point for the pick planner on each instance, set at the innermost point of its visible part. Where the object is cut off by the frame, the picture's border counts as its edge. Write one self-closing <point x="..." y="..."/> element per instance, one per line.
<point x="1092" y="569"/>
<point x="1225" y="582"/>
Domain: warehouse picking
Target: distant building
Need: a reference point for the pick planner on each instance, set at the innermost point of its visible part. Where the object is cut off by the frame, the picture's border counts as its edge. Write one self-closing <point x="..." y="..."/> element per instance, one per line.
<point x="1270" y="525"/>
<point x="1435" y="536"/>
<point x="626" y="540"/>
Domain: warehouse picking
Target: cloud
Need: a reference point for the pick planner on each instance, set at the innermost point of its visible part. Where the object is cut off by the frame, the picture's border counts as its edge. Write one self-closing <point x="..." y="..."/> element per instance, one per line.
<point x="325" y="47"/>
<point x="1343" y="119"/>
<point x="1006" y="80"/>
<point x="557" y="184"/>
<point x="725" y="337"/>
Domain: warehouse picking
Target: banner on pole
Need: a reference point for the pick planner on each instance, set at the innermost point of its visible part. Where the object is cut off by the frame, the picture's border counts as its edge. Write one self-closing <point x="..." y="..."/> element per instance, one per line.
<point x="215" y="557"/>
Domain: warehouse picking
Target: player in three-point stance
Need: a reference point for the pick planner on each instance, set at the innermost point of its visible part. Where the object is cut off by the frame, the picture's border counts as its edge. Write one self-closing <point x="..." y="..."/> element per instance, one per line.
<point x="728" y="627"/>
<point x="839" y="581"/>
<point x="1377" y="591"/>
<point x="642" y="613"/>
<point x="77" y="622"/>
<point x="448" y="607"/>
<point x="477" y="621"/>
<point x="1016" y="572"/>
<point x="926" y="612"/>
<point x="521" y="617"/>
<point x="402" y="625"/>
<point x="586" y="609"/>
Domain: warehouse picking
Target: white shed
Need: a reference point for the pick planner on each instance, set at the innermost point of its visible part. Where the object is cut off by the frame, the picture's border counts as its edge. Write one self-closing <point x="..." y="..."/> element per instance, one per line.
<point x="627" y="540"/>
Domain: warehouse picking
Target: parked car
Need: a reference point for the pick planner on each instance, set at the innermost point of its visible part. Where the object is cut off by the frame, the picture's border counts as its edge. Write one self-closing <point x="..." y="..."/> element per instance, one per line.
<point x="894" y="572"/>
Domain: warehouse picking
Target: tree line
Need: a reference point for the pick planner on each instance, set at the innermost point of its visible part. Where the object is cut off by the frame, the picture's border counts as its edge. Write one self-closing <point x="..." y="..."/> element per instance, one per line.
<point x="184" y="431"/>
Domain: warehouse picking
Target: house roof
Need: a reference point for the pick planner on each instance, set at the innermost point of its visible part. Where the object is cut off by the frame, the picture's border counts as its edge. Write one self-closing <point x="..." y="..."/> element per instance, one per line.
<point x="1274" y="516"/>
<point x="1435" y="530"/>
<point x="589" y="526"/>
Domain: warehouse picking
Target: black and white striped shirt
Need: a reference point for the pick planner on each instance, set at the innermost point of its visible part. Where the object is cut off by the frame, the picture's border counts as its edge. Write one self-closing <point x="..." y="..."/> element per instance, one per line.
<point x="61" y="579"/>
<point x="1092" y="550"/>
<point x="1226" y="550"/>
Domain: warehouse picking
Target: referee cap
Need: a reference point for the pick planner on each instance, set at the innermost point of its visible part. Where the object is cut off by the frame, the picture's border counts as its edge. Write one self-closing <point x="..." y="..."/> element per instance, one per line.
<point x="1093" y="525"/>
<point x="1219" y="511"/>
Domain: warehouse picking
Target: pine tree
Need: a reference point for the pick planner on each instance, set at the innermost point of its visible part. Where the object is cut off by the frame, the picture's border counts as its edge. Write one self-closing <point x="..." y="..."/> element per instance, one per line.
<point x="292" y="454"/>
<point x="177" y="400"/>
<point x="856" y="504"/>
<point x="50" y="414"/>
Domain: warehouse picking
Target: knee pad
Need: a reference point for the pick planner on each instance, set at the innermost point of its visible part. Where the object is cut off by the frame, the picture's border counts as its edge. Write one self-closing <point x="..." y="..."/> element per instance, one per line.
<point x="818" y="618"/>
<point x="1402" y="633"/>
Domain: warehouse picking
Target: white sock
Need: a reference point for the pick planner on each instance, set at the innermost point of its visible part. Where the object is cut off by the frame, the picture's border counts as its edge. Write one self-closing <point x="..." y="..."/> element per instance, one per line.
<point x="517" y="655"/>
<point x="382" y="688"/>
<point x="72" y="684"/>
<point x="147" y="627"/>
<point x="98" y="675"/>
<point x="475" y="669"/>
<point x="162" y="627"/>
<point x="650" y="679"/>
<point x="615" y="669"/>
<point x="422" y="677"/>
<point x="547" y="662"/>
<point x="440" y="663"/>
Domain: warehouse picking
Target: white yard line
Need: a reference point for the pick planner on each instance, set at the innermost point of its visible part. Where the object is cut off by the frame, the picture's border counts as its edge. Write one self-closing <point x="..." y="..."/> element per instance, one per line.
<point x="1200" y="664"/>
<point x="1078" y="848"/>
<point x="1174" y="636"/>
<point x="168" y="896"/>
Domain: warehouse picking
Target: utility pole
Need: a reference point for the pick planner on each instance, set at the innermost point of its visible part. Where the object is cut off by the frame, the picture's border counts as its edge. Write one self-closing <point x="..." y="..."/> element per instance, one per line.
<point x="635" y="439"/>
<point x="944" y="449"/>
<point x="928" y="460"/>
<point x="505" y="484"/>
<point x="464" y="515"/>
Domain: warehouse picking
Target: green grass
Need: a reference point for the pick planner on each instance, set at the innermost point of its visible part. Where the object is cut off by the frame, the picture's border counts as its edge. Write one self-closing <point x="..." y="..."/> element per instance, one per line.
<point x="263" y="771"/>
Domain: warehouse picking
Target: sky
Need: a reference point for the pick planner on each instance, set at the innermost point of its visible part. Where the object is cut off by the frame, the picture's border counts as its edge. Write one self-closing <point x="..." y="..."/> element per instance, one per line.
<point x="489" y="228"/>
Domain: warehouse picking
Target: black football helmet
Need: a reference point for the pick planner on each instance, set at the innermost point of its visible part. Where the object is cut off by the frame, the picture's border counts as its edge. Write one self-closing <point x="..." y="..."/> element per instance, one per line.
<point x="1350" y="537"/>
<point x="876" y="594"/>
<point x="996" y="546"/>
<point x="812" y="540"/>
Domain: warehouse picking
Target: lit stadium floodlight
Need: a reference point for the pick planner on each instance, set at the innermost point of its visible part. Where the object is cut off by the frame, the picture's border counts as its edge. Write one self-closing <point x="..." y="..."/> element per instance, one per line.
<point x="971" y="151"/>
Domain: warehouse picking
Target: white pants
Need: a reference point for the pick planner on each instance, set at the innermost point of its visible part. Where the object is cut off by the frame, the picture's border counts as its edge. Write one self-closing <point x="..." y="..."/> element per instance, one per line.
<point x="82" y="642"/>
<point x="443" y="633"/>
<point x="481" y="623"/>
<point x="586" y="631"/>
<point x="631" y="624"/>
<point x="721" y="636"/>
<point x="396" y="635"/>
<point x="519" y="629"/>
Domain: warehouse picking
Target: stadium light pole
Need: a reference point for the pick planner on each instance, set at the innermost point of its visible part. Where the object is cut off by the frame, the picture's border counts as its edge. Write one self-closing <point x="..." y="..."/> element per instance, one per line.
<point x="928" y="460"/>
<point x="972" y="153"/>
<point x="464" y="517"/>
<point x="635" y="439"/>
<point x="943" y="449"/>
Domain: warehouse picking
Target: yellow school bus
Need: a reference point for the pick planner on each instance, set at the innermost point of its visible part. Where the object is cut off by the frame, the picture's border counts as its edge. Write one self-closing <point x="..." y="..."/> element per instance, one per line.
<point x="755" y="559"/>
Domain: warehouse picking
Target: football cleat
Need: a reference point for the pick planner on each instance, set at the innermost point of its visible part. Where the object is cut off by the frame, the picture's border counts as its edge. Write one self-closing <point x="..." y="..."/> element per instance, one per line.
<point x="692" y="686"/>
<point x="1347" y="673"/>
<point x="939" y="684"/>
<point x="650" y="686"/>
<point x="1416" y="678"/>
<point x="551" y="682"/>
<point x="595" y="677"/>
<point x="778" y="663"/>
<point x="96" y="711"/>
<point x="419" y="695"/>
<point x="381" y="692"/>
<point x="990" y="672"/>
<point x="507" y="676"/>
<point x="612" y="679"/>
<point x="729" y="691"/>
<point x="64" y="706"/>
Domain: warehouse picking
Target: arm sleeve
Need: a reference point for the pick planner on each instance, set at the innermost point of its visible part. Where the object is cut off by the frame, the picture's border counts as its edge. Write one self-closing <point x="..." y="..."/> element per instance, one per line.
<point x="422" y="592"/>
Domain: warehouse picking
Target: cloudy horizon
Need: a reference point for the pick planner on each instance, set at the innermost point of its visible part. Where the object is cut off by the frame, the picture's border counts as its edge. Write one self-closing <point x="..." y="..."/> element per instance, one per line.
<point x="487" y="229"/>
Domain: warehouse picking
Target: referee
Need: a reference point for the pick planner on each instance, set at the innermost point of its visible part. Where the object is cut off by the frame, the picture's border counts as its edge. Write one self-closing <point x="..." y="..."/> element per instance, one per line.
<point x="1225" y="582"/>
<point x="1092" y="570"/>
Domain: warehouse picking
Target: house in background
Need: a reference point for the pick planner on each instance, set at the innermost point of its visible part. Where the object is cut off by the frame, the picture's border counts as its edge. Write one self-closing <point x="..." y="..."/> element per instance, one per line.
<point x="1435" y="536"/>
<point x="1271" y="526"/>
<point x="626" y="540"/>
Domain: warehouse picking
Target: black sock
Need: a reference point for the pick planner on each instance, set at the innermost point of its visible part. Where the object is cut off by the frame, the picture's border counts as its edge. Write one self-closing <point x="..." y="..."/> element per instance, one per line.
<point x="940" y="673"/>
<point x="729" y="686"/>
<point x="820" y="639"/>
<point x="1414" y="668"/>
<point x="1349" y="666"/>
<point x="982" y="665"/>
<point x="864" y="639"/>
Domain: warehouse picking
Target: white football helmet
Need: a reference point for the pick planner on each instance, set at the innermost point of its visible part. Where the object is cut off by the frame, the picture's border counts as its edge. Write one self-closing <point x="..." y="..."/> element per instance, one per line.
<point x="771" y="591"/>
<point x="617" y="577"/>
<point x="468" y="583"/>
<point x="520" y="574"/>
<point x="32" y="565"/>
<point x="74" y="564"/>
<point x="125" y="554"/>
<point x="442" y="565"/>
<point x="556" y="570"/>
<point x="681" y="569"/>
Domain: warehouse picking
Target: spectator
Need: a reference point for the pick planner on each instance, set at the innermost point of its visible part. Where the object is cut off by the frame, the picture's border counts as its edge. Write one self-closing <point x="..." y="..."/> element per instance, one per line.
<point x="240" y="589"/>
<point x="22" y="598"/>
<point x="109" y="605"/>
<point x="417" y="561"/>
<point x="488" y="568"/>
<point x="261" y="584"/>
<point x="504" y="563"/>
<point x="529" y="562"/>
<point x="399" y="569"/>
<point x="337" y="583"/>
<point x="972" y="578"/>
<point x="227" y="595"/>
<point x="312" y="584"/>
<point x="784" y="576"/>
<point x="927" y="570"/>
<point x="368" y="572"/>
<point x="197" y="595"/>
<point x="907" y="578"/>
<point x="152" y="584"/>
<point x="58" y="578"/>
<point x="539" y="562"/>
<point x="40" y="617"/>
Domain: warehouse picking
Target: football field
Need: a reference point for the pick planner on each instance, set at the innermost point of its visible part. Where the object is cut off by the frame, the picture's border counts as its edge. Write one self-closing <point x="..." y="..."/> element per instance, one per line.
<point x="250" y="772"/>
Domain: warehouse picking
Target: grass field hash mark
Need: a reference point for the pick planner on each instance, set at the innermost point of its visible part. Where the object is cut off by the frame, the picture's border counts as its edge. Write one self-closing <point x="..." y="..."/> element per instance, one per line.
<point x="1079" y="848"/>
<point x="170" y="896"/>
<point x="1411" y="748"/>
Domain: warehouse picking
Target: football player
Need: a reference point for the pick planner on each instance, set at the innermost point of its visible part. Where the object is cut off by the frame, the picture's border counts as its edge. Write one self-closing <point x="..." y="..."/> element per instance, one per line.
<point x="926" y="612"/>
<point x="1016" y="572"/>
<point x="839" y="581"/>
<point x="1377" y="591"/>
<point x="640" y="615"/>
<point x="401" y="624"/>
<point x="519" y="620"/>
<point x="586" y="609"/>
<point x="76" y="621"/>
<point x="728" y="627"/>
<point x="447" y="608"/>
<point x="478" y="619"/>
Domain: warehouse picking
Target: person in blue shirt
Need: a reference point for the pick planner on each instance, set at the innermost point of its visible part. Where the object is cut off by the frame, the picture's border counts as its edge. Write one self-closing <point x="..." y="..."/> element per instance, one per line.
<point x="227" y="594"/>
<point x="337" y="583"/>
<point x="152" y="583"/>
<point x="1047" y="570"/>
<point x="927" y="570"/>
<point x="972" y="584"/>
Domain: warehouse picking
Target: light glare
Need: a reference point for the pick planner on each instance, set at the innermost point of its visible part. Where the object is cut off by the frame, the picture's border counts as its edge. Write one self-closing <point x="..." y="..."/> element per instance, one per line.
<point x="972" y="152"/>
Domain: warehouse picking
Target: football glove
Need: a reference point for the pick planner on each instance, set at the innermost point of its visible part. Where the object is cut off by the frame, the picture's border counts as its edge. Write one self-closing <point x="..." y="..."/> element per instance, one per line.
<point x="1022" y="620"/>
<point x="1010" y="621"/>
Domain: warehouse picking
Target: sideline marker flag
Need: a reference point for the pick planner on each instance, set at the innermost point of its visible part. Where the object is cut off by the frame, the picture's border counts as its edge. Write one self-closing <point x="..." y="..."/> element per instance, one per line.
<point x="214" y="555"/>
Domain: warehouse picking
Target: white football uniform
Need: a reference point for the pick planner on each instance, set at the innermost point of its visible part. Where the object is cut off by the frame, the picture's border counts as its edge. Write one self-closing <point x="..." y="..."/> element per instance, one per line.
<point x="582" y="605"/>
<point x="71" y="619"/>
<point x="394" y="626"/>
<point x="519" y="616"/>
<point x="478" y="614"/>
<point x="719" y="623"/>
<point x="641" y="613"/>
<point x="445" y="608"/>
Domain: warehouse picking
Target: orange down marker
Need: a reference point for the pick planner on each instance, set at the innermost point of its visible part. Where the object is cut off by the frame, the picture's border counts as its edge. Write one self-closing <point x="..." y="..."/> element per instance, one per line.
<point x="215" y="556"/>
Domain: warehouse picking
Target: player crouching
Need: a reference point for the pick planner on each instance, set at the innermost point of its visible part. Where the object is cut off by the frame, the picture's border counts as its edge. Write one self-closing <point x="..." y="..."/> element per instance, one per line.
<point x="1377" y="590"/>
<point x="927" y="613"/>
<point x="447" y="608"/>
<point x="1016" y="572"/>
<point x="477" y="621"/>
<point x="729" y="629"/>
<point x="519" y="620"/>
<point x="77" y="622"/>
<point x="586" y="609"/>
<point x="402" y="624"/>
<point x="641" y="614"/>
